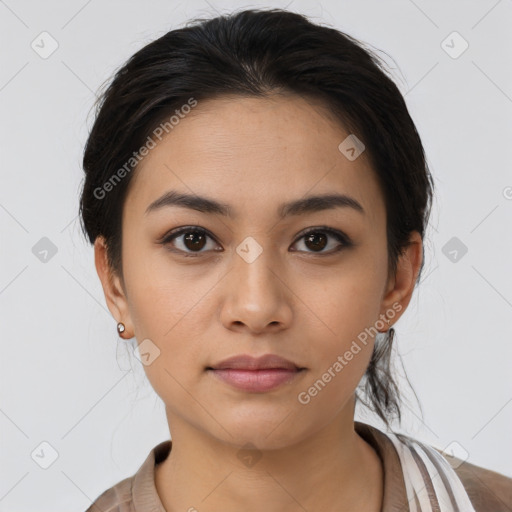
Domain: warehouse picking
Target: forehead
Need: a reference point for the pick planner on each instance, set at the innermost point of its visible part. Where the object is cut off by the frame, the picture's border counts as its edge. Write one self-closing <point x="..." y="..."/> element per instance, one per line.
<point x="249" y="151"/>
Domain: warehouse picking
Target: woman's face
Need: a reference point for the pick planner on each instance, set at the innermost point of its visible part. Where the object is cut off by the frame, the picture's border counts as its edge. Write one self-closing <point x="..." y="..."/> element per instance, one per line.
<point x="253" y="283"/>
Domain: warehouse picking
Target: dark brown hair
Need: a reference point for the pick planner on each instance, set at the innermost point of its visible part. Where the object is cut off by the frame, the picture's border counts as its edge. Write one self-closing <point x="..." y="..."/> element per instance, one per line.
<point x="258" y="53"/>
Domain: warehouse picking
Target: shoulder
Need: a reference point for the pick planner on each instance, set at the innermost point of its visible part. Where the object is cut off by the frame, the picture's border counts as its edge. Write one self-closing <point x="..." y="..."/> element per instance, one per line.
<point x="116" y="499"/>
<point x="138" y="491"/>
<point x="487" y="490"/>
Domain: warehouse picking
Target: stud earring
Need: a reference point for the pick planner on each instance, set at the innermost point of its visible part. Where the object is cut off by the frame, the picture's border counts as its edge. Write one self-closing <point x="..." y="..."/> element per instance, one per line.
<point x="388" y="322"/>
<point x="120" y="328"/>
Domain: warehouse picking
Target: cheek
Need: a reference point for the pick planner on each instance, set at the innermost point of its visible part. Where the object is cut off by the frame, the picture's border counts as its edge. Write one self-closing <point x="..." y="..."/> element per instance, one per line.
<point x="167" y="328"/>
<point x="161" y="293"/>
<point x="342" y="351"/>
<point x="165" y="311"/>
<point x="343" y="312"/>
<point x="347" y="305"/>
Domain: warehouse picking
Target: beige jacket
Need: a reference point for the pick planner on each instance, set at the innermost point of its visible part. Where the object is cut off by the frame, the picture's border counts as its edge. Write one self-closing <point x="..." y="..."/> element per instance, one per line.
<point x="488" y="491"/>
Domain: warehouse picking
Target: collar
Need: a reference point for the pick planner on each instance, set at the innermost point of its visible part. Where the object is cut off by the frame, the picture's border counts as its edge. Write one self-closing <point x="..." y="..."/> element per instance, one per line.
<point x="145" y="497"/>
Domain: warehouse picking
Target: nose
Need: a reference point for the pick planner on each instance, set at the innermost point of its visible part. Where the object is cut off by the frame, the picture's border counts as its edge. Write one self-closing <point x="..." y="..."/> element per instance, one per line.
<point x="256" y="296"/>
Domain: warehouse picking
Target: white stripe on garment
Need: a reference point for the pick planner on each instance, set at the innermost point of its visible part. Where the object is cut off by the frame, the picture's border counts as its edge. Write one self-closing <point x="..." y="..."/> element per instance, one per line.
<point x="445" y="503"/>
<point x="414" y="480"/>
<point x="461" y="496"/>
<point x="412" y="477"/>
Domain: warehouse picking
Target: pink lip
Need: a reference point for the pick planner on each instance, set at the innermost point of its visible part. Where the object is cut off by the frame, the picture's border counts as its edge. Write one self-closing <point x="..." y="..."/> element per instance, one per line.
<point x="256" y="374"/>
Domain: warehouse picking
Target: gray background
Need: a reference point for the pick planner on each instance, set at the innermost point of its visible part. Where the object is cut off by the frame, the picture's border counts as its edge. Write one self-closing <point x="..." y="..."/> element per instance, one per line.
<point x="68" y="380"/>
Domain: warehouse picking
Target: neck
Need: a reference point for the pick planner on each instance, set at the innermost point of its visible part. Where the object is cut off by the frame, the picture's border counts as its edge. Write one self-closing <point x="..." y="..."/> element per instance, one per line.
<point x="334" y="469"/>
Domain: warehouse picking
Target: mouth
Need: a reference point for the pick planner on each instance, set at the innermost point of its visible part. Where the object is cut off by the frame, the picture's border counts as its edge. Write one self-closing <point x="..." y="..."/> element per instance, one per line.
<point x="256" y="374"/>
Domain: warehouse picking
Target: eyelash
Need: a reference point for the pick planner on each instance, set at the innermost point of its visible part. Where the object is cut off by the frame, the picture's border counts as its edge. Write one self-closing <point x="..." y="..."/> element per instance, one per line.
<point x="338" y="235"/>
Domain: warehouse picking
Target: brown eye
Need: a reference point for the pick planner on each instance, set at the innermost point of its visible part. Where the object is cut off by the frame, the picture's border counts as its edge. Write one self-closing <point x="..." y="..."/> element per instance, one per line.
<point x="317" y="239"/>
<point x="194" y="240"/>
<point x="188" y="240"/>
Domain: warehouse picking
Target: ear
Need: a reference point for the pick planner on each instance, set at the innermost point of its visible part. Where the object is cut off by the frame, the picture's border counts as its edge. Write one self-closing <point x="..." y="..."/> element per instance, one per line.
<point x="400" y="287"/>
<point x="112" y="287"/>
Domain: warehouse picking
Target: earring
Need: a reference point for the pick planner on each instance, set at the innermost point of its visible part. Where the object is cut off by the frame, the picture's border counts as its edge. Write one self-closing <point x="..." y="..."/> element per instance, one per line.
<point x="388" y="322"/>
<point x="120" y="328"/>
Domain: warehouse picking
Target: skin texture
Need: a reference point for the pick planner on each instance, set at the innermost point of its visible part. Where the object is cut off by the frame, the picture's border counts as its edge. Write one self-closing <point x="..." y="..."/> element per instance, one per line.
<point x="305" y="304"/>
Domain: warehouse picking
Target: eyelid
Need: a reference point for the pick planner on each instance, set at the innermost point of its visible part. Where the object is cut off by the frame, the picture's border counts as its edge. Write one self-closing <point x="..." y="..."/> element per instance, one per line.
<point x="339" y="235"/>
<point x="173" y="233"/>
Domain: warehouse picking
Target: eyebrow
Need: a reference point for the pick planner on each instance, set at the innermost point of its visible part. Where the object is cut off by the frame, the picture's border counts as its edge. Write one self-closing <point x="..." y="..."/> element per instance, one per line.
<point x="301" y="206"/>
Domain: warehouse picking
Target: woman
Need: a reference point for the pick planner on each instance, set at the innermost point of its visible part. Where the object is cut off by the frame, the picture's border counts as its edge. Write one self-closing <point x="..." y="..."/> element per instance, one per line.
<point x="257" y="196"/>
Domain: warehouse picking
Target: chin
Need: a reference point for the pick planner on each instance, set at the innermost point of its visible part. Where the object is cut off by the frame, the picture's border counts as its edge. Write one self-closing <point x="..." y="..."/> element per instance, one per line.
<point x="266" y="427"/>
<point x="261" y="439"/>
